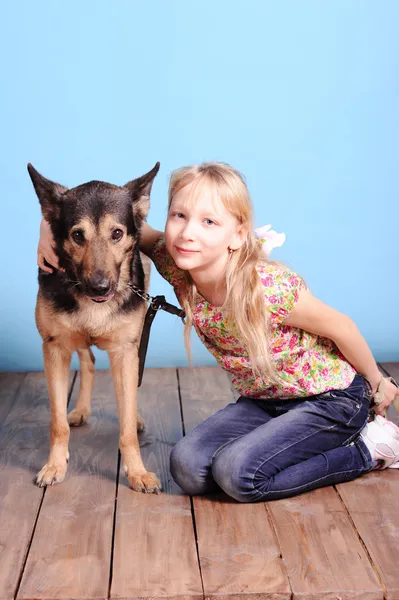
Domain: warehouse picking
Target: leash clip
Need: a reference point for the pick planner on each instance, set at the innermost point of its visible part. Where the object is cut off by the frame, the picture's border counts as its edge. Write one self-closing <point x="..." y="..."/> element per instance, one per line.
<point x="159" y="303"/>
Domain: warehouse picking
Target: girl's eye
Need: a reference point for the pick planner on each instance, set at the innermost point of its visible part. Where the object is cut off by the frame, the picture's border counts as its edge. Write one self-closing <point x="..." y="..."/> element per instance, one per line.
<point x="117" y="234"/>
<point x="78" y="236"/>
<point x="179" y="215"/>
<point x="209" y="222"/>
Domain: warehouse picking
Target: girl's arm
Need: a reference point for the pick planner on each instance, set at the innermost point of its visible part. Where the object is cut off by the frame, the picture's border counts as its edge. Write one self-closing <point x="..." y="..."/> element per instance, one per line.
<point x="148" y="237"/>
<point x="310" y="314"/>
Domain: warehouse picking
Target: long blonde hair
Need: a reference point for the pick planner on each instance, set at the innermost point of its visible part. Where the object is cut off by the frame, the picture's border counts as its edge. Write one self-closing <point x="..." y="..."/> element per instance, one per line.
<point x="245" y="296"/>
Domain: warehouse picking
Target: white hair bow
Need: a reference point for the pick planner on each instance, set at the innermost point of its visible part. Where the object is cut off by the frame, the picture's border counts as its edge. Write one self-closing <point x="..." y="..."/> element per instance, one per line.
<point x="269" y="239"/>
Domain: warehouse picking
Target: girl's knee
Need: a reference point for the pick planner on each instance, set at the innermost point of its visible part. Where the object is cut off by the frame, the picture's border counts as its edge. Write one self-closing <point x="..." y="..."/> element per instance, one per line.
<point x="234" y="476"/>
<point x="189" y="470"/>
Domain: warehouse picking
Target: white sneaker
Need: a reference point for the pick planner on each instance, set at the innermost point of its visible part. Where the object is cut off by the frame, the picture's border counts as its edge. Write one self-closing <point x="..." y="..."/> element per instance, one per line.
<point x="382" y="440"/>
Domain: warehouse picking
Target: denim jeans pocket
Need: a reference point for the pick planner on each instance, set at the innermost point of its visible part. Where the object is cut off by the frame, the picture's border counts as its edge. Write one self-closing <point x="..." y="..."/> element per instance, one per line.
<point x="351" y="403"/>
<point x="349" y="407"/>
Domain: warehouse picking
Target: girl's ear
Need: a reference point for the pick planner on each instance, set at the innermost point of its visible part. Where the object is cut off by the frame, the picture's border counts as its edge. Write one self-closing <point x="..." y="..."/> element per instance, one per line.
<point x="239" y="237"/>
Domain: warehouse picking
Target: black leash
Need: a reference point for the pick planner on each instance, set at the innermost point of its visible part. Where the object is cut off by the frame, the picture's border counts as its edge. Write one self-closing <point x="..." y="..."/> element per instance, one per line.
<point x="156" y="303"/>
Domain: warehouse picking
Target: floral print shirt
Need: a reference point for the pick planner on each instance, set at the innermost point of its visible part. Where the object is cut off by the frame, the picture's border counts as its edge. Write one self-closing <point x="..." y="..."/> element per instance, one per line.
<point x="306" y="363"/>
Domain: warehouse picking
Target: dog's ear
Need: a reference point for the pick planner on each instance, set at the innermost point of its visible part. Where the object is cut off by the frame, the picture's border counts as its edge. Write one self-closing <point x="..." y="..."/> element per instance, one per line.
<point x="140" y="190"/>
<point x="49" y="194"/>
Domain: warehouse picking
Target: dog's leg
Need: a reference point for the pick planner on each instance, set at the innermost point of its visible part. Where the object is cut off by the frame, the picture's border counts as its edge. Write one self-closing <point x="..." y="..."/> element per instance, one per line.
<point x="56" y="365"/>
<point x="79" y="415"/>
<point x="124" y="367"/>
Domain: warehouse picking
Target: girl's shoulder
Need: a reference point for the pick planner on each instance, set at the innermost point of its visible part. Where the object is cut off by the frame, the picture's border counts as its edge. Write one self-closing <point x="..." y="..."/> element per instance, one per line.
<point x="281" y="288"/>
<point x="274" y="273"/>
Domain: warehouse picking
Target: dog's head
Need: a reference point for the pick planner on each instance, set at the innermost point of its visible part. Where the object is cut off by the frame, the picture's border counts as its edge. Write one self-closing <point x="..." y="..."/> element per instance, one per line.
<point x="96" y="227"/>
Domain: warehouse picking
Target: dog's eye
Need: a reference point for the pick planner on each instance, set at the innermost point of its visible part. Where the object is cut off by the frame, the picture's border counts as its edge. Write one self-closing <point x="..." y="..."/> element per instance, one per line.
<point x="78" y="236"/>
<point x="117" y="234"/>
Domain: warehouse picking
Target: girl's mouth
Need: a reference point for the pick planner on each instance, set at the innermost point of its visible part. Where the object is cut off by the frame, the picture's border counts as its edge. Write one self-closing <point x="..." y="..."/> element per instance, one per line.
<point x="185" y="251"/>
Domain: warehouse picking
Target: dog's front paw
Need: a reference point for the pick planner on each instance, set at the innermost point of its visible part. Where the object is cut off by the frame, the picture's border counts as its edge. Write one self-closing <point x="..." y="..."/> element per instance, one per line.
<point x="146" y="482"/>
<point x="76" y="418"/>
<point x="51" y="474"/>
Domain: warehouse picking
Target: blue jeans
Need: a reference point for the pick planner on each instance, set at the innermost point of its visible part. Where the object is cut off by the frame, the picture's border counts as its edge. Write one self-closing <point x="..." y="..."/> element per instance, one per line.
<point x="269" y="449"/>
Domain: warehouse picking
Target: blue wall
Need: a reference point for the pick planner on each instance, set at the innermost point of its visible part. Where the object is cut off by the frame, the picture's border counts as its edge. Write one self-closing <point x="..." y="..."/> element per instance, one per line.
<point x="302" y="97"/>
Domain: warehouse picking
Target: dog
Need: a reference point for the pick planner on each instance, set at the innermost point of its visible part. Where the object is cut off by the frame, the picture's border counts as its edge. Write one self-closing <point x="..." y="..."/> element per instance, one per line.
<point x="96" y="228"/>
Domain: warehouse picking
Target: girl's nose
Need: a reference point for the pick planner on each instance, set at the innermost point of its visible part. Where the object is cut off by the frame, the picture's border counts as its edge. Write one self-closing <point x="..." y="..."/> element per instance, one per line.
<point x="188" y="232"/>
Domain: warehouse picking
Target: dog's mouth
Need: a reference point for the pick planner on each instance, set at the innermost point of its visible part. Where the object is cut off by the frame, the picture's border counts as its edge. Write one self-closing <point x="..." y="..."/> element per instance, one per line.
<point x="103" y="298"/>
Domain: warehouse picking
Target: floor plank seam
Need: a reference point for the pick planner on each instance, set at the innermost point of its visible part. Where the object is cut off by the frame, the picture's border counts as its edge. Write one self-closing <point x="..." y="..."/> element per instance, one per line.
<point x="274" y="530"/>
<point x="75" y="376"/>
<point x="111" y="566"/>
<point x="191" y="499"/>
<point x="21" y="574"/>
<point x="196" y="544"/>
<point x="180" y="403"/>
<point x="362" y="543"/>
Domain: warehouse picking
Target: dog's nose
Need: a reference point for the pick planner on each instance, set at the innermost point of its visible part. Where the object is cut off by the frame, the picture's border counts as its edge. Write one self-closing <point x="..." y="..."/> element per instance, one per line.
<point x="99" y="283"/>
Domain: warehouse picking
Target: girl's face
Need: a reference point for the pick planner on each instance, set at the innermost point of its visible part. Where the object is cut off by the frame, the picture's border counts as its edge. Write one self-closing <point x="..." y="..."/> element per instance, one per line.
<point x="199" y="231"/>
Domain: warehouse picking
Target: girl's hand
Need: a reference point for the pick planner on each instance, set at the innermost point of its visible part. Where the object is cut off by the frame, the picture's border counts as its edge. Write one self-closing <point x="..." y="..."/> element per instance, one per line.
<point x="386" y="395"/>
<point x="45" y="248"/>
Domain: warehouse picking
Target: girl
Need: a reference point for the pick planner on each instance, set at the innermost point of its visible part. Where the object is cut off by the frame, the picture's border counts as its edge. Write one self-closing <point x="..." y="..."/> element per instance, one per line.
<point x="305" y="374"/>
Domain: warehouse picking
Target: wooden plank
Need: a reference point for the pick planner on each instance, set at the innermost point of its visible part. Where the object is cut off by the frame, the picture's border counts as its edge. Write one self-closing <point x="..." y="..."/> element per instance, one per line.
<point x="372" y="502"/>
<point x="321" y="549"/>
<point x="24" y="443"/>
<point x="70" y="555"/>
<point x="155" y="553"/>
<point x="392" y="368"/>
<point x="10" y="384"/>
<point x="237" y="547"/>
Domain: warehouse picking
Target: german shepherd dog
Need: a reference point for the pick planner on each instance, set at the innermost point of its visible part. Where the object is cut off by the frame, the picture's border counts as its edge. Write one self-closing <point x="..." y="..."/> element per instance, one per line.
<point x="96" y="228"/>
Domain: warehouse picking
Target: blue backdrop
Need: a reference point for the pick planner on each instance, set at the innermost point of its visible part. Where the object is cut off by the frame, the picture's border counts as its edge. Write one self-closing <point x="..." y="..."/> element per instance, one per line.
<point x="302" y="97"/>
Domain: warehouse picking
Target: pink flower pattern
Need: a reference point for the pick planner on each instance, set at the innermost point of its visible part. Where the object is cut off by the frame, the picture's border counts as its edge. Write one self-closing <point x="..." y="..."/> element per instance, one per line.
<point x="307" y="364"/>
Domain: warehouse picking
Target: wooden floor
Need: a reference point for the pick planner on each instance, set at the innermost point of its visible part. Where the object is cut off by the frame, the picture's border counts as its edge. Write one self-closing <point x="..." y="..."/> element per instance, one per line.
<point x="92" y="537"/>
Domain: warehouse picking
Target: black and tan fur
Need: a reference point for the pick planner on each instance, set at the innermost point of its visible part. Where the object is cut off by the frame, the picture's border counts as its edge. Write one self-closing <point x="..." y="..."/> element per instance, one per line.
<point x="96" y="228"/>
